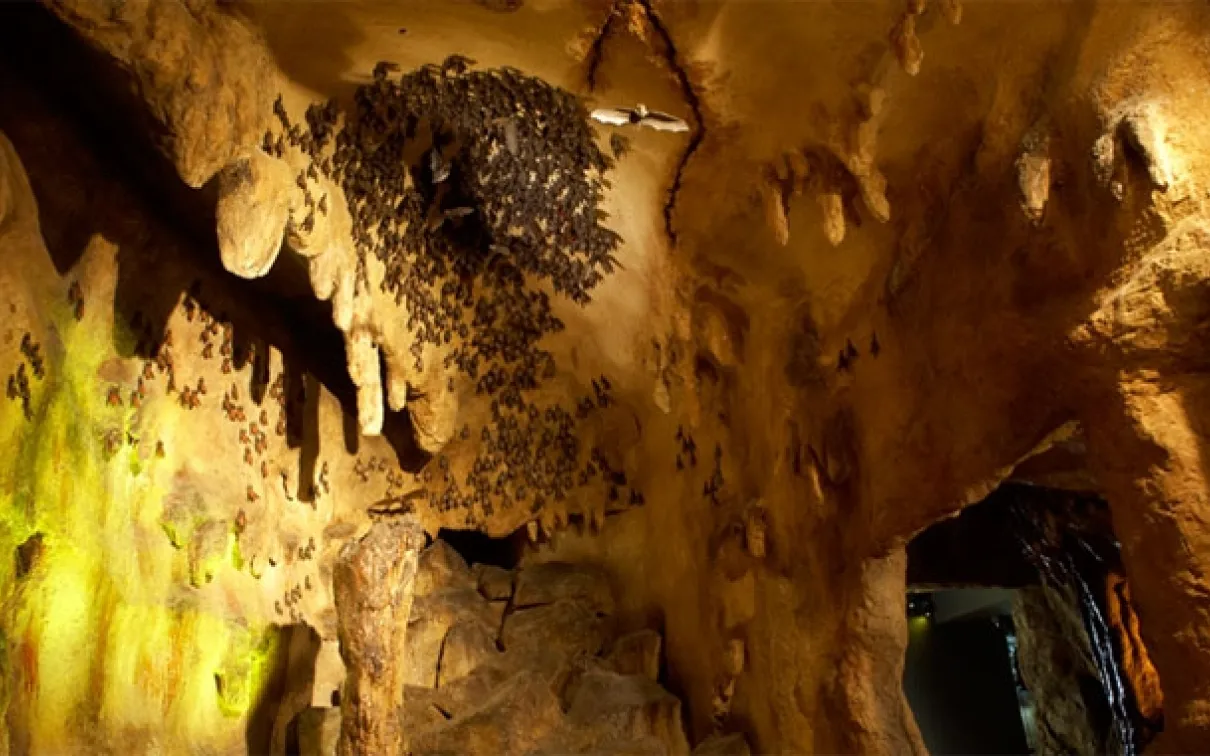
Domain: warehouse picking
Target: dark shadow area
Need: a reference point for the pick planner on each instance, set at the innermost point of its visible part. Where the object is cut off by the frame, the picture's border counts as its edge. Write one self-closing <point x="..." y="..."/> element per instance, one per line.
<point x="398" y="432"/>
<point x="259" y="734"/>
<point x="293" y="743"/>
<point x="351" y="431"/>
<point x="479" y="548"/>
<point x="960" y="682"/>
<point x="976" y="548"/>
<point x="309" y="455"/>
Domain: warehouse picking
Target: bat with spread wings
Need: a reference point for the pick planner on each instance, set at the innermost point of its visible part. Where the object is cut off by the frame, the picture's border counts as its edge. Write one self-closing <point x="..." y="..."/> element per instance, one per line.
<point x="640" y="116"/>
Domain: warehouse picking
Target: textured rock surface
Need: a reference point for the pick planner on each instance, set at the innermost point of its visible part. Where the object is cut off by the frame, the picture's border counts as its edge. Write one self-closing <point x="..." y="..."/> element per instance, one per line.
<point x="374" y="582"/>
<point x="637" y="654"/>
<point x="550" y="582"/>
<point x="318" y="732"/>
<point x="894" y="261"/>
<point x="206" y="77"/>
<point x="495" y="583"/>
<point x="441" y="568"/>
<point x="1072" y="713"/>
<point x="619" y="707"/>
<point x="723" y="745"/>
<point x="548" y="690"/>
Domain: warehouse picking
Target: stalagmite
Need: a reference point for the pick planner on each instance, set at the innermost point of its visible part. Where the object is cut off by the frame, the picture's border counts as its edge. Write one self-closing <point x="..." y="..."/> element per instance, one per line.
<point x="374" y="582"/>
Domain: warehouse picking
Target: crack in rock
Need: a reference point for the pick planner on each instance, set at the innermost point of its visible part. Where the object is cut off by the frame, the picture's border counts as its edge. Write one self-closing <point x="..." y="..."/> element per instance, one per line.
<point x="695" y="106"/>
<point x="597" y="52"/>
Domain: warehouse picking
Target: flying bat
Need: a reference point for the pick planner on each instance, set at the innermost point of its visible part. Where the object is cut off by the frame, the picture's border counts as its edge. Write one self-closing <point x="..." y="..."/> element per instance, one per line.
<point x="641" y="116"/>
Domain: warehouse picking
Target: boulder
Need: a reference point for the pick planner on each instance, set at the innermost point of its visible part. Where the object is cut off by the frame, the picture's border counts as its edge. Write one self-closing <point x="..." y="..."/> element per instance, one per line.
<point x="549" y="582"/>
<point x="554" y="631"/>
<point x="467" y="645"/>
<point x="432" y="617"/>
<point x="441" y="567"/>
<point x="517" y="718"/>
<point x="621" y="707"/>
<point x="474" y="690"/>
<point x="495" y="583"/>
<point x="636" y="653"/>
<point x="420" y="712"/>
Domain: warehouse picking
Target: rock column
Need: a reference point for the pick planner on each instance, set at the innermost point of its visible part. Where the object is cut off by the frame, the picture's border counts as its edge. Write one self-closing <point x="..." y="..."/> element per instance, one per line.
<point x="374" y="583"/>
<point x="870" y="698"/>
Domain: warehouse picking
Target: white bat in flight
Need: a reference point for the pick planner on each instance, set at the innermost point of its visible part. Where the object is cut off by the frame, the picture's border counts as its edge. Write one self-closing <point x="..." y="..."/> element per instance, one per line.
<point x="641" y="116"/>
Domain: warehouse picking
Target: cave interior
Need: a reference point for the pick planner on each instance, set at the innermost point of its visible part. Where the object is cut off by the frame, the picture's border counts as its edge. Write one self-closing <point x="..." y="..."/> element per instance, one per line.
<point x="609" y="377"/>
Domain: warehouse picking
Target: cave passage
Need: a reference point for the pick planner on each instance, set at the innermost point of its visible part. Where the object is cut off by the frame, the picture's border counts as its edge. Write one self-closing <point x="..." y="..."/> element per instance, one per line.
<point x="1021" y="633"/>
<point x="960" y="673"/>
<point x="479" y="548"/>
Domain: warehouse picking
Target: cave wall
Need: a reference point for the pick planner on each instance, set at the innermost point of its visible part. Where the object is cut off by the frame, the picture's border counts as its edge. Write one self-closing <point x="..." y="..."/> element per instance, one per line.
<point x="146" y="612"/>
<point x="866" y="297"/>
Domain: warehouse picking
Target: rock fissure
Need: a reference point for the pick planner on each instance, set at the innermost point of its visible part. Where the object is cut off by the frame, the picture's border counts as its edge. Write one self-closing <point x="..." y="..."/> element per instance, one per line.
<point x="688" y="92"/>
<point x="596" y="53"/>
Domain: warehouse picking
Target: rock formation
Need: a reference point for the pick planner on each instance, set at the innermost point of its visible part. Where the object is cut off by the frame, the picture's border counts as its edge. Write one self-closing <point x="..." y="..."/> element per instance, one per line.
<point x="277" y="277"/>
<point x="374" y="582"/>
<point x="539" y="668"/>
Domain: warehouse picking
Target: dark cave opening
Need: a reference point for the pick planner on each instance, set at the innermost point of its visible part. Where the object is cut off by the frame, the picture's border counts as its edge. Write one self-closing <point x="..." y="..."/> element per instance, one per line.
<point x="477" y="547"/>
<point x="1021" y="634"/>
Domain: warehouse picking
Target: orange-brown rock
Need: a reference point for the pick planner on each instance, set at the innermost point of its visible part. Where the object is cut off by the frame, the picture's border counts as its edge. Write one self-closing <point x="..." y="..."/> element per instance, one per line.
<point x="374" y="582"/>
